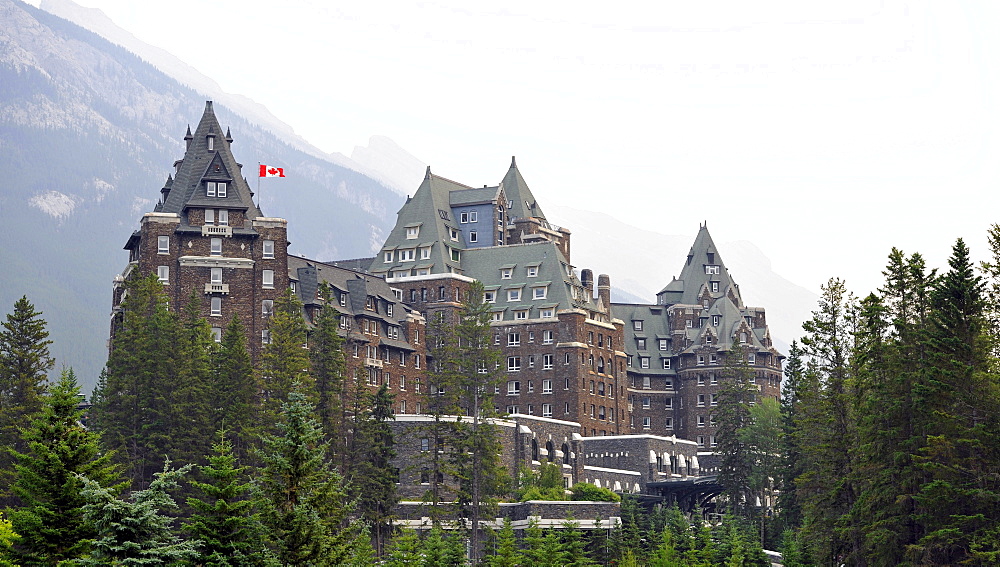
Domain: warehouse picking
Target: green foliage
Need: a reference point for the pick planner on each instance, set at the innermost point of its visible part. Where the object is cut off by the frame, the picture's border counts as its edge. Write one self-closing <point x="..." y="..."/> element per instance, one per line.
<point x="546" y="484"/>
<point x="225" y="515"/>
<point x="136" y="531"/>
<point x="50" y="519"/>
<point x="284" y="363"/>
<point x="405" y="549"/>
<point x="326" y="357"/>
<point x="24" y="366"/>
<point x="7" y="538"/>
<point x="236" y="390"/>
<point x="592" y="493"/>
<point x="306" y="505"/>
<point x="372" y="476"/>
<point x="506" y="552"/>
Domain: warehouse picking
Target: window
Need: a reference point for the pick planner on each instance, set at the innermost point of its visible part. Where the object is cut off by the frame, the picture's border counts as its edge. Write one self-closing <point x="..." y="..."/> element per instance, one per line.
<point x="163" y="273"/>
<point x="490" y="296"/>
<point x="645" y="423"/>
<point x="640" y="344"/>
<point x="546" y="410"/>
<point x="751" y="358"/>
<point x="701" y="360"/>
<point x="217" y="334"/>
<point x="412" y="232"/>
<point x="666" y="363"/>
<point x="513" y="295"/>
<point x="670" y="423"/>
<point x="265" y="337"/>
<point x="163" y="245"/>
<point x="523" y="314"/>
<point x="547" y="313"/>
<point x="636" y="325"/>
<point x="701" y="400"/>
<point x="216" y="306"/>
<point x="497" y="316"/>
<point x="425" y="253"/>
<point x="701" y="440"/>
<point x="456" y="256"/>
<point x="221" y="189"/>
<point x="268" y="249"/>
<point x="268" y="279"/>
<point x="669" y="384"/>
<point x="669" y="404"/>
<point x="547" y="385"/>
<point x="701" y="380"/>
<point x="743" y="338"/>
<point x="645" y="402"/>
<point x="453" y="233"/>
<point x="715" y="287"/>
<point x="711" y="270"/>
<point x="216" y="247"/>
<point x="713" y="358"/>
<point x="388" y="309"/>
<point x="532" y="271"/>
<point x="646" y="383"/>
<point x="663" y="344"/>
<point x="539" y="292"/>
<point x="513" y="339"/>
<point x="223" y="217"/>
<point x="387" y="257"/>
<point x="209" y="216"/>
<point x="701" y="421"/>
<point x="473" y="237"/>
<point x="715" y="399"/>
<point x="513" y="387"/>
<point x="513" y="364"/>
<point x="267" y="307"/>
<point x="406" y="255"/>
<point x="644" y="361"/>
<point x="546" y="362"/>
<point x="506" y="273"/>
<point x="210" y="188"/>
<point x="547" y="337"/>
<point x="713" y="379"/>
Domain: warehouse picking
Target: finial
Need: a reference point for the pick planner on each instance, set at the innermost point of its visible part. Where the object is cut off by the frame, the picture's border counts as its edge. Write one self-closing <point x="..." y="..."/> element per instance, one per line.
<point x="428" y="174"/>
<point x="208" y="106"/>
<point x="513" y="162"/>
<point x="229" y="137"/>
<point x="188" y="136"/>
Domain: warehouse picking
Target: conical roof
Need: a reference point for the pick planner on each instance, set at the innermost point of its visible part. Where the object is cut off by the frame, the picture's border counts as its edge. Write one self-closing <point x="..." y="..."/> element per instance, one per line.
<point x="208" y="158"/>
<point x="703" y="269"/>
<point x="522" y="202"/>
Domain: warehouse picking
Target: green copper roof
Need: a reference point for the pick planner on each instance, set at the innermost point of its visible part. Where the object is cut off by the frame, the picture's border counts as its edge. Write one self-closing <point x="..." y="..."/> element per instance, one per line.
<point x="522" y="202"/>
<point x="695" y="276"/>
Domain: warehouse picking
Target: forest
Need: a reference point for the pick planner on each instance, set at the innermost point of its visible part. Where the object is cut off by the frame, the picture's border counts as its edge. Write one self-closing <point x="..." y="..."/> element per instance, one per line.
<point x="884" y="449"/>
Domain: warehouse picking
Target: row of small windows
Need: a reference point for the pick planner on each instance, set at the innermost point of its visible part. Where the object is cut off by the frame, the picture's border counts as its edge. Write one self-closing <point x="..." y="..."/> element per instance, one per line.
<point x="507" y="272"/>
<point x="537" y="292"/>
<point x="514" y="338"/>
<point x="215" y="245"/>
<point x="215" y="188"/>
<point x="267" y="276"/>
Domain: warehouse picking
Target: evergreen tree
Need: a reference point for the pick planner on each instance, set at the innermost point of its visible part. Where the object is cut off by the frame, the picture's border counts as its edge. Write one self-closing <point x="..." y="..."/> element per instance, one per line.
<point x="306" y="501"/>
<point x="189" y="408"/>
<point x="792" y="467"/>
<point x="136" y="531"/>
<point x="7" y="538"/>
<point x="733" y="417"/>
<point x="326" y="355"/>
<point x="543" y="548"/>
<point x="284" y="361"/>
<point x="50" y="517"/>
<point x="24" y="367"/>
<point x="573" y="546"/>
<point x="506" y="552"/>
<point x="405" y="550"/>
<point x="236" y="390"/>
<point x="132" y="409"/>
<point x="225" y="514"/>
<point x="372" y="475"/>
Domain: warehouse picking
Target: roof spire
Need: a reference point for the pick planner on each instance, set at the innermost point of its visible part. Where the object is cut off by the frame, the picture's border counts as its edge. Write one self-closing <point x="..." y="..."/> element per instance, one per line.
<point x="513" y="162"/>
<point x="187" y="138"/>
<point x="428" y="174"/>
<point x="229" y="137"/>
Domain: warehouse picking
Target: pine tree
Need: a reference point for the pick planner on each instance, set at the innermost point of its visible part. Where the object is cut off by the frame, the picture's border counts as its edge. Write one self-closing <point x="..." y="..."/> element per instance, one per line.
<point x="372" y="476"/>
<point x="136" y="531"/>
<point x="189" y="397"/>
<point x="733" y="417"/>
<point x="543" y="548"/>
<point x="573" y="546"/>
<point x="306" y="501"/>
<point x="24" y="367"/>
<point x="236" y="390"/>
<point x="326" y="355"/>
<point x="7" y="538"/>
<point x="405" y="550"/>
<point x="506" y="552"/>
<point x="225" y="514"/>
<point x="59" y="449"/>
<point x="284" y="361"/>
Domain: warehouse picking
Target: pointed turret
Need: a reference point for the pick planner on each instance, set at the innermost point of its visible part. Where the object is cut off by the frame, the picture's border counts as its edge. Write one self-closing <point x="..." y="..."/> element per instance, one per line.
<point x="703" y="273"/>
<point x="521" y="202"/>
<point x="208" y="175"/>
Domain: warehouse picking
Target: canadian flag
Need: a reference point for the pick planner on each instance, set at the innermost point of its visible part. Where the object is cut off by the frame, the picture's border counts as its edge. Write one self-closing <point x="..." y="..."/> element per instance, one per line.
<point x="271" y="171"/>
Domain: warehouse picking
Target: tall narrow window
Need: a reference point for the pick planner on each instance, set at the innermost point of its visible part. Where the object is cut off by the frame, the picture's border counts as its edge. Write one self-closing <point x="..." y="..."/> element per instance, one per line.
<point x="163" y="245"/>
<point x="220" y="189"/>
<point x="268" y="279"/>
<point x="216" y="275"/>
<point x="209" y="188"/>
<point x="209" y="216"/>
<point x="267" y="307"/>
<point x="216" y="306"/>
<point x="210" y="140"/>
<point x="223" y="217"/>
<point x="216" y="247"/>
<point x="268" y="249"/>
<point x="163" y="273"/>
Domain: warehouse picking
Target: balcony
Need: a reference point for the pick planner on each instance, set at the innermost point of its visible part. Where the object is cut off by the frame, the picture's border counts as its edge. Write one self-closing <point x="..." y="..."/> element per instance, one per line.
<point x="216" y="230"/>
<point x="373" y="362"/>
<point x="222" y="288"/>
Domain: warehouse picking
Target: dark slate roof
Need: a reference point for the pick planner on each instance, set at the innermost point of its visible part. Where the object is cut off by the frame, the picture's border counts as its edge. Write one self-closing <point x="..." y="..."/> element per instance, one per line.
<point x="474" y="196"/>
<point x="523" y="204"/>
<point x="200" y="164"/>
<point x="359" y="286"/>
<point x="687" y="289"/>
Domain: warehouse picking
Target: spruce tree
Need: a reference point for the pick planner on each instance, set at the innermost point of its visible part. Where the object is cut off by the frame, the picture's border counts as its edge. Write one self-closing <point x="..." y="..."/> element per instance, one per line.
<point x="7" y="538"/>
<point x="189" y="397"/>
<point x="24" y="367"/>
<point x="505" y="552"/>
<point x="225" y="517"/>
<point x="59" y="449"/>
<point x="306" y="501"/>
<point x="733" y="417"/>
<point x="284" y="361"/>
<point x="136" y="531"/>
<point x="236" y="390"/>
<point x="372" y="476"/>
<point x="326" y="356"/>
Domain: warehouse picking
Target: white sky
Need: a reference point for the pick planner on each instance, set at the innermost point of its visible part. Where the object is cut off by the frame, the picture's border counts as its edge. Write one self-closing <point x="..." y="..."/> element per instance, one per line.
<point x="825" y="133"/>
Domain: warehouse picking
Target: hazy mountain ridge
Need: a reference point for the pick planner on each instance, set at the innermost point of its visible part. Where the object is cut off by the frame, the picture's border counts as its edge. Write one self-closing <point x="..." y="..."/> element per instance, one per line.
<point x="96" y="21"/>
<point x="88" y="134"/>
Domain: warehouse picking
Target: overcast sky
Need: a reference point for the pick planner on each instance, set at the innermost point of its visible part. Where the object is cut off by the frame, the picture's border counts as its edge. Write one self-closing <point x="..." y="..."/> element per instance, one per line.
<point x="823" y="134"/>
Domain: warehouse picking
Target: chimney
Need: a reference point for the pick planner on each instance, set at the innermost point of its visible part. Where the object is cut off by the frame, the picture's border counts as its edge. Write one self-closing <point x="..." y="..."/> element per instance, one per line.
<point x="587" y="278"/>
<point x="604" y="289"/>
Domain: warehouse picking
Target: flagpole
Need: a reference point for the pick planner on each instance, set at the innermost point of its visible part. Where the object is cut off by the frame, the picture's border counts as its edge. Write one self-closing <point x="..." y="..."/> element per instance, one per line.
<point x="258" y="186"/>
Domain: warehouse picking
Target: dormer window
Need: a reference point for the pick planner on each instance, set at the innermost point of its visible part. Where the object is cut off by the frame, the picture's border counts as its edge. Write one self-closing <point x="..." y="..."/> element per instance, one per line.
<point x="388" y="256"/>
<point x="506" y="273"/>
<point x="712" y="270"/>
<point x="715" y="287"/>
<point x="453" y="233"/>
<point x="215" y="188"/>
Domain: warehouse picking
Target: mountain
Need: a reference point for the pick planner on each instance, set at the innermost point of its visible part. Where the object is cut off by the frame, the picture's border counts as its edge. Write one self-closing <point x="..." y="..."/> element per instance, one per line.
<point x="88" y="134"/>
<point x="642" y="262"/>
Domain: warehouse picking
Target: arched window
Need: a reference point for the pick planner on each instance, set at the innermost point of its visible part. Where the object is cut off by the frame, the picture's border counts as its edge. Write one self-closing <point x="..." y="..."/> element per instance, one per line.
<point x="551" y="450"/>
<point x="565" y="451"/>
<point x="534" y="449"/>
<point x="600" y="365"/>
